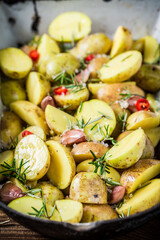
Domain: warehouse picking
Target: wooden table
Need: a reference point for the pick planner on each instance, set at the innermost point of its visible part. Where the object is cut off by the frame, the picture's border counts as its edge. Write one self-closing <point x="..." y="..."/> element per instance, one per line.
<point x="11" y="230"/>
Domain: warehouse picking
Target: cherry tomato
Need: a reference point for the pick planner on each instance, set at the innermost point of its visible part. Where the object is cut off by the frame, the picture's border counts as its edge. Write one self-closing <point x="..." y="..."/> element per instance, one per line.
<point x="89" y="58"/>
<point x="142" y="104"/>
<point x="60" y="91"/>
<point x="26" y="133"/>
<point x="34" y="55"/>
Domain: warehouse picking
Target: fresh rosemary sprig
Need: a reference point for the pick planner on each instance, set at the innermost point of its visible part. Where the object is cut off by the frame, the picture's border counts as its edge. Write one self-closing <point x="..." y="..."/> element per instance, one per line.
<point x="128" y="213"/>
<point x="111" y="182"/>
<point x="32" y="192"/>
<point x="125" y="94"/>
<point x="81" y="123"/>
<point x="121" y="215"/>
<point x="69" y="123"/>
<point x="41" y="212"/>
<point x="80" y="108"/>
<point x="35" y="41"/>
<point x="99" y="163"/>
<point x="83" y="65"/>
<point x="13" y="171"/>
<point x="63" y="78"/>
<point x="105" y="115"/>
<point x="123" y="118"/>
<point x="13" y="143"/>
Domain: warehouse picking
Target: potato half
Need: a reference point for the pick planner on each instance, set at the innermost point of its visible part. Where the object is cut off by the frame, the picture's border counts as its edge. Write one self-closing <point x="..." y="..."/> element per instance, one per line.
<point x="141" y="172"/>
<point x="128" y="151"/>
<point x="62" y="168"/>
<point x="121" y="68"/>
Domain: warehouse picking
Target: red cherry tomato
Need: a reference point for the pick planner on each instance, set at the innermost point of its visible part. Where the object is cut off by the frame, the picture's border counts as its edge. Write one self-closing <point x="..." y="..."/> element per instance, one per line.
<point x="142" y="104"/>
<point x="26" y="133"/>
<point x="89" y="58"/>
<point x="60" y="91"/>
<point x="34" y="55"/>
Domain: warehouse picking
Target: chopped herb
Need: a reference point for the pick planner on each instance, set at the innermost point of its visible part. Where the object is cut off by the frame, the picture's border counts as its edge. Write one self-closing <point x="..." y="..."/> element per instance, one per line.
<point x="107" y="136"/>
<point x="52" y="211"/>
<point x="41" y="212"/>
<point x="80" y="108"/>
<point x="129" y="210"/>
<point x="83" y="65"/>
<point x="105" y="116"/>
<point x="126" y="94"/>
<point x="69" y="123"/>
<point x="65" y="107"/>
<point x="81" y="123"/>
<point x="32" y="192"/>
<point x="111" y="182"/>
<point x="126" y="58"/>
<point x="13" y="143"/>
<point x="13" y="171"/>
<point x="123" y="118"/>
<point x="121" y="215"/>
<point x="63" y="78"/>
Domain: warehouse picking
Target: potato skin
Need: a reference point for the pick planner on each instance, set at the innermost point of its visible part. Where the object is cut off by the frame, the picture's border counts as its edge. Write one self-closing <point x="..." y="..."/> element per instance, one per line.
<point x="87" y="187"/>
<point x="81" y="151"/>
<point x="148" y="77"/>
<point x="96" y="64"/>
<point x="94" y="212"/>
<point x="141" y="172"/>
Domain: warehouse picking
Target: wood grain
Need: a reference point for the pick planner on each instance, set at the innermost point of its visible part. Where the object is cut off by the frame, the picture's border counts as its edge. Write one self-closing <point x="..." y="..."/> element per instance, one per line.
<point x="11" y="230"/>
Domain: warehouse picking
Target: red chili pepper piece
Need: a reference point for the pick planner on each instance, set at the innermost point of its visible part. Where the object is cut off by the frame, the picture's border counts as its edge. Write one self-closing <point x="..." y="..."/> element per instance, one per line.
<point x="142" y="104"/>
<point x="26" y="133"/>
<point x="60" y="90"/>
<point x="89" y="58"/>
<point x="34" y="55"/>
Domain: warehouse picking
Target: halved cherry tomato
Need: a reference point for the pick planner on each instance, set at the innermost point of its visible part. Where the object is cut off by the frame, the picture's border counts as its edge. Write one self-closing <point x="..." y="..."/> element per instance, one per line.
<point x="34" y="55"/>
<point x="142" y="104"/>
<point x="60" y="91"/>
<point x="89" y="58"/>
<point x="26" y="133"/>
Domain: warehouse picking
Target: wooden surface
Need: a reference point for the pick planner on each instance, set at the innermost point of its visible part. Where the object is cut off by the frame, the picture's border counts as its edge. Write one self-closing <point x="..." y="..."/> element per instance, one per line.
<point x="10" y="230"/>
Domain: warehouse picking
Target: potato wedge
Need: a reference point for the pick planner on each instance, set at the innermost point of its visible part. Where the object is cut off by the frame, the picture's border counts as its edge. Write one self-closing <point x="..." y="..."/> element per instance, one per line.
<point x="86" y="167"/>
<point x="94" y="212"/>
<point x="12" y="91"/>
<point x="30" y="113"/>
<point x="37" y="81"/>
<point x="62" y="168"/>
<point x="97" y="43"/>
<point x="154" y="135"/>
<point x="72" y="99"/>
<point x="70" y="211"/>
<point x="81" y="151"/>
<point x="99" y="113"/>
<point x="63" y="28"/>
<point x="141" y="172"/>
<point x="151" y="50"/>
<point x="94" y="87"/>
<point x="55" y="216"/>
<point x="87" y="187"/>
<point x="34" y="154"/>
<point x="50" y="193"/>
<point x="148" y="77"/>
<point x="58" y="120"/>
<point x="19" y="184"/>
<point x="62" y="62"/>
<point x="138" y="45"/>
<point x="121" y="68"/>
<point x="128" y="151"/>
<point x="11" y="126"/>
<point x="25" y="204"/>
<point x="122" y="41"/>
<point x="154" y="104"/>
<point x="35" y="130"/>
<point x="15" y="63"/>
<point x="142" y="199"/>
<point x="6" y="156"/>
<point x="143" y="119"/>
<point x="95" y="64"/>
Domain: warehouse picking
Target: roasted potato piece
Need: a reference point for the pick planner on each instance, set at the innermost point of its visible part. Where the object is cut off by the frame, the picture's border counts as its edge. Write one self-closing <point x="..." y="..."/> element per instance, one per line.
<point x="96" y="64"/>
<point x="15" y="63"/>
<point x="35" y="130"/>
<point x="94" y="87"/>
<point x="59" y="175"/>
<point x="6" y="156"/>
<point x="121" y="68"/>
<point x="64" y="28"/>
<point x="72" y="99"/>
<point x="128" y="151"/>
<point x="151" y="50"/>
<point x="50" y="193"/>
<point x="94" y="212"/>
<point x="99" y="113"/>
<point x="34" y="154"/>
<point x="71" y="211"/>
<point x="12" y="91"/>
<point x="141" y="172"/>
<point x="37" y="81"/>
<point x="87" y="187"/>
<point x="30" y="113"/>
<point x="11" y="126"/>
<point x="143" y="119"/>
<point x="86" y="167"/>
<point x="59" y="63"/>
<point x="16" y="182"/>
<point x="122" y="41"/>
<point x="57" y="120"/>
<point x="148" y="77"/>
<point x="97" y="43"/>
<point x="138" y="45"/>
<point x="81" y="151"/>
<point x="154" y="104"/>
<point x="55" y="216"/>
<point x="154" y="135"/>
<point x="142" y="199"/>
